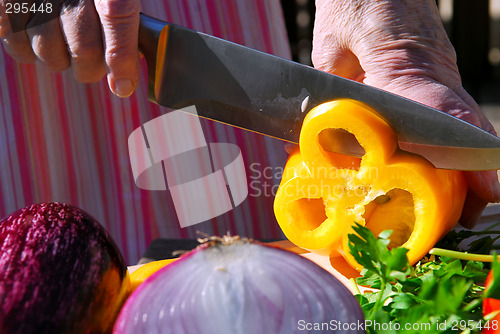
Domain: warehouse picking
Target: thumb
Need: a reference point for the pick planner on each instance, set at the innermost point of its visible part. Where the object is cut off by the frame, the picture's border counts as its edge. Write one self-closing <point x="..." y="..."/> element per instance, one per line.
<point x="336" y="60"/>
<point x="120" y="25"/>
<point x="331" y="49"/>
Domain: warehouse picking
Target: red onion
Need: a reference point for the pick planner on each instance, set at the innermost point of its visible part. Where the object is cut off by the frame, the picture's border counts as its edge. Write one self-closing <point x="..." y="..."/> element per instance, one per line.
<point x="231" y="285"/>
<point x="60" y="272"/>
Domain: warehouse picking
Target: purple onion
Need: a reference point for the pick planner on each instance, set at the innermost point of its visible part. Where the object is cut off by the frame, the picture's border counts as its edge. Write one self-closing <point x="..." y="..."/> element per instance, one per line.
<point x="240" y="287"/>
<point x="60" y="272"/>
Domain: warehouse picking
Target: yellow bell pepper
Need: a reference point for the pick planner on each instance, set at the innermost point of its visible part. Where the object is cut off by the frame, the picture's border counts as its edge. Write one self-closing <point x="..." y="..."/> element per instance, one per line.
<point x="322" y="194"/>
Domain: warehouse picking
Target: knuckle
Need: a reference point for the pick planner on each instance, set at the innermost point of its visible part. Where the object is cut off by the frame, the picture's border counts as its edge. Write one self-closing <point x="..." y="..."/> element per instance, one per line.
<point x="115" y="54"/>
<point x="19" y="48"/>
<point x="467" y="116"/>
<point x="55" y="61"/>
<point x="83" y="39"/>
<point x="120" y="22"/>
<point x="121" y="56"/>
<point x="86" y="52"/>
<point x="51" y="51"/>
<point x="5" y="28"/>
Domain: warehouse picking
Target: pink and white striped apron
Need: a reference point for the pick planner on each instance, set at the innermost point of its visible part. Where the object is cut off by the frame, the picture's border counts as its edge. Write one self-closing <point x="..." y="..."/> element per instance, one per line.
<point x="65" y="141"/>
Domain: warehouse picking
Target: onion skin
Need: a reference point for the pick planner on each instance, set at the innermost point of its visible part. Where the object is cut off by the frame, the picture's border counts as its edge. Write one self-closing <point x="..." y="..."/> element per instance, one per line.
<point x="60" y="272"/>
<point x="239" y="287"/>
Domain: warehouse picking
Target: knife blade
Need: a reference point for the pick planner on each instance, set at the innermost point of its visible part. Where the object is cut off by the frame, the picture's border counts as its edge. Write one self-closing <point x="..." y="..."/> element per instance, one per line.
<point x="259" y="92"/>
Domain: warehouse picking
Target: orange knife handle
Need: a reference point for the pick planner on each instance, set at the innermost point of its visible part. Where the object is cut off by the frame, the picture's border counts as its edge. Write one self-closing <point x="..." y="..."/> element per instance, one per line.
<point x="150" y="30"/>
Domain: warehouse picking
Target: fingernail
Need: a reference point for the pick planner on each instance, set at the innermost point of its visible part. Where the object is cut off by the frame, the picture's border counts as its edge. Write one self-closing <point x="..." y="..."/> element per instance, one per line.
<point x="124" y="87"/>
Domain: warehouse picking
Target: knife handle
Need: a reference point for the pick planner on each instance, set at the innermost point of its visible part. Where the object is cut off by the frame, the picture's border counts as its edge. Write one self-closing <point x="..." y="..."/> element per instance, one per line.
<point x="150" y="31"/>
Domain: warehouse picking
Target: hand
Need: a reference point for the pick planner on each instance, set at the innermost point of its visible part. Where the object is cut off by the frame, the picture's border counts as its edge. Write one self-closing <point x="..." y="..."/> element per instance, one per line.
<point x="401" y="46"/>
<point x="92" y="37"/>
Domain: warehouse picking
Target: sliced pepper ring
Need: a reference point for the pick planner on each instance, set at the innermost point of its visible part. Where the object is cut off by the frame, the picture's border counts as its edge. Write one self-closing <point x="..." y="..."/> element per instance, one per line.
<point x="323" y="194"/>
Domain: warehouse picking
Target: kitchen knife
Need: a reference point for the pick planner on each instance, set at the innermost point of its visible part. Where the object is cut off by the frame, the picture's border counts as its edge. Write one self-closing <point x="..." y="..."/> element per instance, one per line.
<point x="249" y="89"/>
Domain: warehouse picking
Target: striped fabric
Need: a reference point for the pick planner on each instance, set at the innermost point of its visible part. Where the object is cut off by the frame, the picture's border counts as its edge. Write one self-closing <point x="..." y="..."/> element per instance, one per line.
<point x="65" y="141"/>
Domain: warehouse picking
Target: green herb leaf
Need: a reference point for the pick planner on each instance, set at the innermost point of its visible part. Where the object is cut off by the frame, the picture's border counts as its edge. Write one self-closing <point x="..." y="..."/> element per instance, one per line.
<point x="493" y="290"/>
<point x="434" y="293"/>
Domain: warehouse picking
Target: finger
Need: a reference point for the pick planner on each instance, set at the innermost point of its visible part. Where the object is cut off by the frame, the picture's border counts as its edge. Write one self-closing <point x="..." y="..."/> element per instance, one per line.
<point x="4" y="21"/>
<point x="473" y="207"/>
<point x="338" y="61"/>
<point x="18" y="46"/>
<point x="48" y="44"/>
<point x="331" y="47"/>
<point x="484" y="122"/>
<point x="16" y="43"/>
<point x="120" y="22"/>
<point x="82" y="32"/>
<point x="484" y="184"/>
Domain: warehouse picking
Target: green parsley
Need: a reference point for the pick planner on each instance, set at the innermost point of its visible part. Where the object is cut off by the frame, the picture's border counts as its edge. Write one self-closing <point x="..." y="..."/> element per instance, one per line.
<point x="438" y="295"/>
